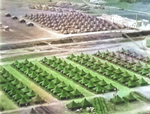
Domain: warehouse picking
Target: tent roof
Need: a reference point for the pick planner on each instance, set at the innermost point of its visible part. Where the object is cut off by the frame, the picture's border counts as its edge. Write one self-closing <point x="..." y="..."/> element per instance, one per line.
<point x="126" y="74"/>
<point x="44" y="82"/>
<point x="71" y="56"/>
<point x="68" y="88"/>
<point x="77" y="77"/>
<point x="105" y="65"/>
<point x="39" y="70"/>
<point x="56" y="90"/>
<point x="38" y="79"/>
<point x="72" y="105"/>
<point x="117" y="99"/>
<point x="88" y="76"/>
<point x="85" y="103"/>
<point x="118" y="71"/>
<point x="50" y="77"/>
<point x="130" y="97"/>
<point x="62" y="84"/>
<point x="56" y="81"/>
<point x="44" y="73"/>
<point x="76" y="92"/>
<point x="20" y="85"/>
<point x="103" y="83"/>
<point x="95" y="79"/>
<point x="26" y="89"/>
<point x="116" y="76"/>
<point x="63" y="94"/>
<point x="84" y="81"/>
<point x="110" y="87"/>
<point x="101" y="70"/>
<point x="50" y="86"/>
<point x="111" y="68"/>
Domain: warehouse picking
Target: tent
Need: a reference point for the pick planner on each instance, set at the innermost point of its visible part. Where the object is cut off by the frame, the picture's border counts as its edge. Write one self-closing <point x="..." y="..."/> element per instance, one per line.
<point x="84" y="81"/>
<point x="103" y="83"/>
<point x="45" y="60"/>
<point x="95" y="79"/>
<point x="76" y="93"/>
<point x="130" y="97"/>
<point x="25" y="90"/>
<point x="126" y="74"/>
<point x="101" y="70"/>
<point x="10" y="78"/>
<point x="29" y="64"/>
<point x="24" y="68"/>
<point x="53" y="58"/>
<point x="132" y="83"/>
<point x="44" y="74"/>
<point x="77" y="58"/>
<point x="90" y="84"/>
<point x="56" y="81"/>
<point x="39" y="70"/>
<point x="117" y="100"/>
<point x="33" y="75"/>
<point x="64" y="63"/>
<point x="63" y="94"/>
<point x="34" y="67"/>
<point x="73" y="105"/>
<point x="54" y="65"/>
<point x="56" y="90"/>
<point x="62" y="84"/>
<point x="2" y="80"/>
<point x="123" y="79"/>
<point x="38" y="79"/>
<point x="50" y="77"/>
<point x="112" y="54"/>
<point x="45" y="82"/>
<point x="26" y="61"/>
<point x="92" y="60"/>
<point x="31" y="93"/>
<point x="71" y="56"/>
<point x="111" y="68"/>
<point x="68" y="88"/>
<point x="118" y="71"/>
<point x="49" y="62"/>
<point x="82" y="72"/>
<point x="75" y="70"/>
<point x="105" y="65"/>
<point x="58" y="61"/>
<point x="69" y="67"/>
<point x="142" y="82"/>
<point x="88" y="76"/>
<point x="50" y="86"/>
<point x="77" y="77"/>
<point x="71" y="74"/>
<point x="110" y="87"/>
<point x="86" y="57"/>
<point x="85" y="103"/>
<point x="20" y="85"/>
<point x="98" y="89"/>
<point x="65" y="71"/>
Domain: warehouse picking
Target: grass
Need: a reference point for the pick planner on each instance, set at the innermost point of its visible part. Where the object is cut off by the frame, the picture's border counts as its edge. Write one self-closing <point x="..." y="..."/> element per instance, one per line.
<point x="6" y="103"/>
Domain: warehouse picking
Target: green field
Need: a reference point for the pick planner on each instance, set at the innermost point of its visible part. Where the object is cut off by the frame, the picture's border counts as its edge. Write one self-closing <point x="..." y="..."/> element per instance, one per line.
<point x="73" y="78"/>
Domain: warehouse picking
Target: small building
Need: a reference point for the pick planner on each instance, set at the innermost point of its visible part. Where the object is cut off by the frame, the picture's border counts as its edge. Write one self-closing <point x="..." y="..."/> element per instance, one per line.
<point x="8" y="15"/>
<point x="14" y="17"/>
<point x="22" y="21"/>
<point x="30" y="24"/>
<point x="148" y="41"/>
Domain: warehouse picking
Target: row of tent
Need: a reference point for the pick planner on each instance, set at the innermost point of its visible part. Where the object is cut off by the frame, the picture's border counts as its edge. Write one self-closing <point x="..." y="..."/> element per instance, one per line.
<point x="129" y="98"/>
<point x="108" y="70"/>
<point x="80" y="76"/>
<point x="137" y="67"/>
<point x="76" y="105"/>
<point x="49" y="82"/>
<point x="134" y="55"/>
<point x="16" y="90"/>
